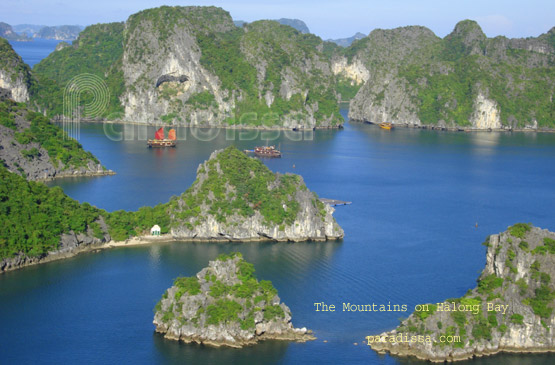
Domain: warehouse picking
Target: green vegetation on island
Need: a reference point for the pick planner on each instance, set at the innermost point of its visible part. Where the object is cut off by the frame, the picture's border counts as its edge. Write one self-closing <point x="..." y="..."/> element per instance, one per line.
<point x="250" y="180"/>
<point x="33" y="216"/>
<point x="268" y="74"/>
<point x="225" y="310"/>
<point x="98" y="51"/>
<point x="416" y="75"/>
<point x="245" y="192"/>
<point x="52" y="138"/>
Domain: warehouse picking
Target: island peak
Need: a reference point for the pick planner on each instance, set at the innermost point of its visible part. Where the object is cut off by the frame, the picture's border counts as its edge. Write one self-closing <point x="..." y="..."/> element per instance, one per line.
<point x="237" y="198"/>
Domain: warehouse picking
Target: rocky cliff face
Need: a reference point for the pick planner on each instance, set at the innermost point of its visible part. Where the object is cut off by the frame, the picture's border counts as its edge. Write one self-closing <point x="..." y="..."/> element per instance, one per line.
<point x="236" y="198"/>
<point x="7" y="32"/>
<point x="224" y="305"/>
<point x="385" y="96"/>
<point x="25" y="138"/>
<point x="462" y="81"/>
<point x="355" y="70"/>
<point x="192" y="66"/>
<point x="510" y="310"/>
<point x="155" y="52"/>
<point x="486" y="114"/>
<point x="15" y="75"/>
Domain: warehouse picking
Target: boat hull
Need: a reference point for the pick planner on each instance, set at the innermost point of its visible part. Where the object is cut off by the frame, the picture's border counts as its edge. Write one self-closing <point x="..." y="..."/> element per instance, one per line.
<point x="269" y="155"/>
<point x="159" y="143"/>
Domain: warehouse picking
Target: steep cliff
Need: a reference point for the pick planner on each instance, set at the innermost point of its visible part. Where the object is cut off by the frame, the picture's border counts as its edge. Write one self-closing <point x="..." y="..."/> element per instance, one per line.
<point x="60" y="32"/>
<point x="7" y="32"/>
<point x="237" y="198"/>
<point x="225" y="305"/>
<point x="30" y="145"/>
<point x="464" y="80"/>
<point x="193" y="66"/>
<point x="15" y="75"/>
<point x="510" y="310"/>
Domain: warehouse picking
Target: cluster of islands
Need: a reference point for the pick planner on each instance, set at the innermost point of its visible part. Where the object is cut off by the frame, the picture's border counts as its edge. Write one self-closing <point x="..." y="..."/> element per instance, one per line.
<point x="174" y="73"/>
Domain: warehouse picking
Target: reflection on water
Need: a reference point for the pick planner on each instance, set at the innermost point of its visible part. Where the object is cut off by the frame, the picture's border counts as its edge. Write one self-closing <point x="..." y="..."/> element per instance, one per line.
<point x="489" y="139"/>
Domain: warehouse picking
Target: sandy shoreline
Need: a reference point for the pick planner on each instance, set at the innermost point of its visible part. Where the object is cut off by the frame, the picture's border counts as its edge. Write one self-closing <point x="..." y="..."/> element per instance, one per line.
<point x="138" y="241"/>
<point x="60" y="255"/>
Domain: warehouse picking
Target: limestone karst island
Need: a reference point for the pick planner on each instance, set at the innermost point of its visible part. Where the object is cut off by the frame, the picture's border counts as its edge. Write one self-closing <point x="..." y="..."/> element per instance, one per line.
<point x="511" y="309"/>
<point x="225" y="305"/>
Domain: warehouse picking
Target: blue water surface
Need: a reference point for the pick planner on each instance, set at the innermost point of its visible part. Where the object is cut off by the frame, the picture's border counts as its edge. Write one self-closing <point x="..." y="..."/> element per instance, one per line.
<point x="34" y="51"/>
<point x="410" y="237"/>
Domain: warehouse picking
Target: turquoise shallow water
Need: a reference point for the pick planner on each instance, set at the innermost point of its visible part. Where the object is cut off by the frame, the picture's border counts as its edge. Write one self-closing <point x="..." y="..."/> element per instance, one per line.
<point x="410" y="238"/>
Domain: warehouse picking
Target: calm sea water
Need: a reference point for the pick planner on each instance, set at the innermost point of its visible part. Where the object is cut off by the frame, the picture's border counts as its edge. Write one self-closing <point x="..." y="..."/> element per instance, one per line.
<point x="410" y="237"/>
<point x="33" y="52"/>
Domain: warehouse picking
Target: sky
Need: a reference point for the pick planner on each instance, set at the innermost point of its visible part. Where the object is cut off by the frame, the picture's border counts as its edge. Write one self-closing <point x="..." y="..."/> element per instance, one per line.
<point x="325" y="18"/>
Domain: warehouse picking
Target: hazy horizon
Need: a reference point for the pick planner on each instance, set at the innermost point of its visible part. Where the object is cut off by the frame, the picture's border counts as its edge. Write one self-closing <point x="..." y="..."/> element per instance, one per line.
<point x="327" y="19"/>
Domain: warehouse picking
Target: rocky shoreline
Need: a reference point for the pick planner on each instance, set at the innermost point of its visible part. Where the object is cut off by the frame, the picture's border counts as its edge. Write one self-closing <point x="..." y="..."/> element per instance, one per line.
<point x="216" y="126"/>
<point x="84" y="245"/>
<point x="78" y="173"/>
<point x="459" y="129"/>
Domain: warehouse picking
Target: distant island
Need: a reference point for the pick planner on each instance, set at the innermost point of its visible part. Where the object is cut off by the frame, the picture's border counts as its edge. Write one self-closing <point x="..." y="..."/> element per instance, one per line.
<point x="293" y="23"/>
<point x="346" y="42"/>
<point x="7" y="32"/>
<point x="59" y="32"/>
<point x="28" y="32"/>
<point x="234" y="198"/>
<point x="225" y="305"/>
<point x="511" y="309"/>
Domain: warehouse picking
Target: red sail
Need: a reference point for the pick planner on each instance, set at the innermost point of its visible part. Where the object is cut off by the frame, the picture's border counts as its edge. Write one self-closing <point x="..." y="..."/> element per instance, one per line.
<point x="171" y="134"/>
<point x="159" y="133"/>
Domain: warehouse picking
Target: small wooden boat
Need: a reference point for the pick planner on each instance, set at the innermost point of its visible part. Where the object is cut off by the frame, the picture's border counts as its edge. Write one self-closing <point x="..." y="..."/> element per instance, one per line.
<point x="386" y="125"/>
<point x="160" y="141"/>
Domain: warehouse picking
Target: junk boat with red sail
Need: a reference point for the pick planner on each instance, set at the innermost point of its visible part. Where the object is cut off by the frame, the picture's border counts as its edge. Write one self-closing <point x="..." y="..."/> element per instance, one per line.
<point x="160" y="141"/>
